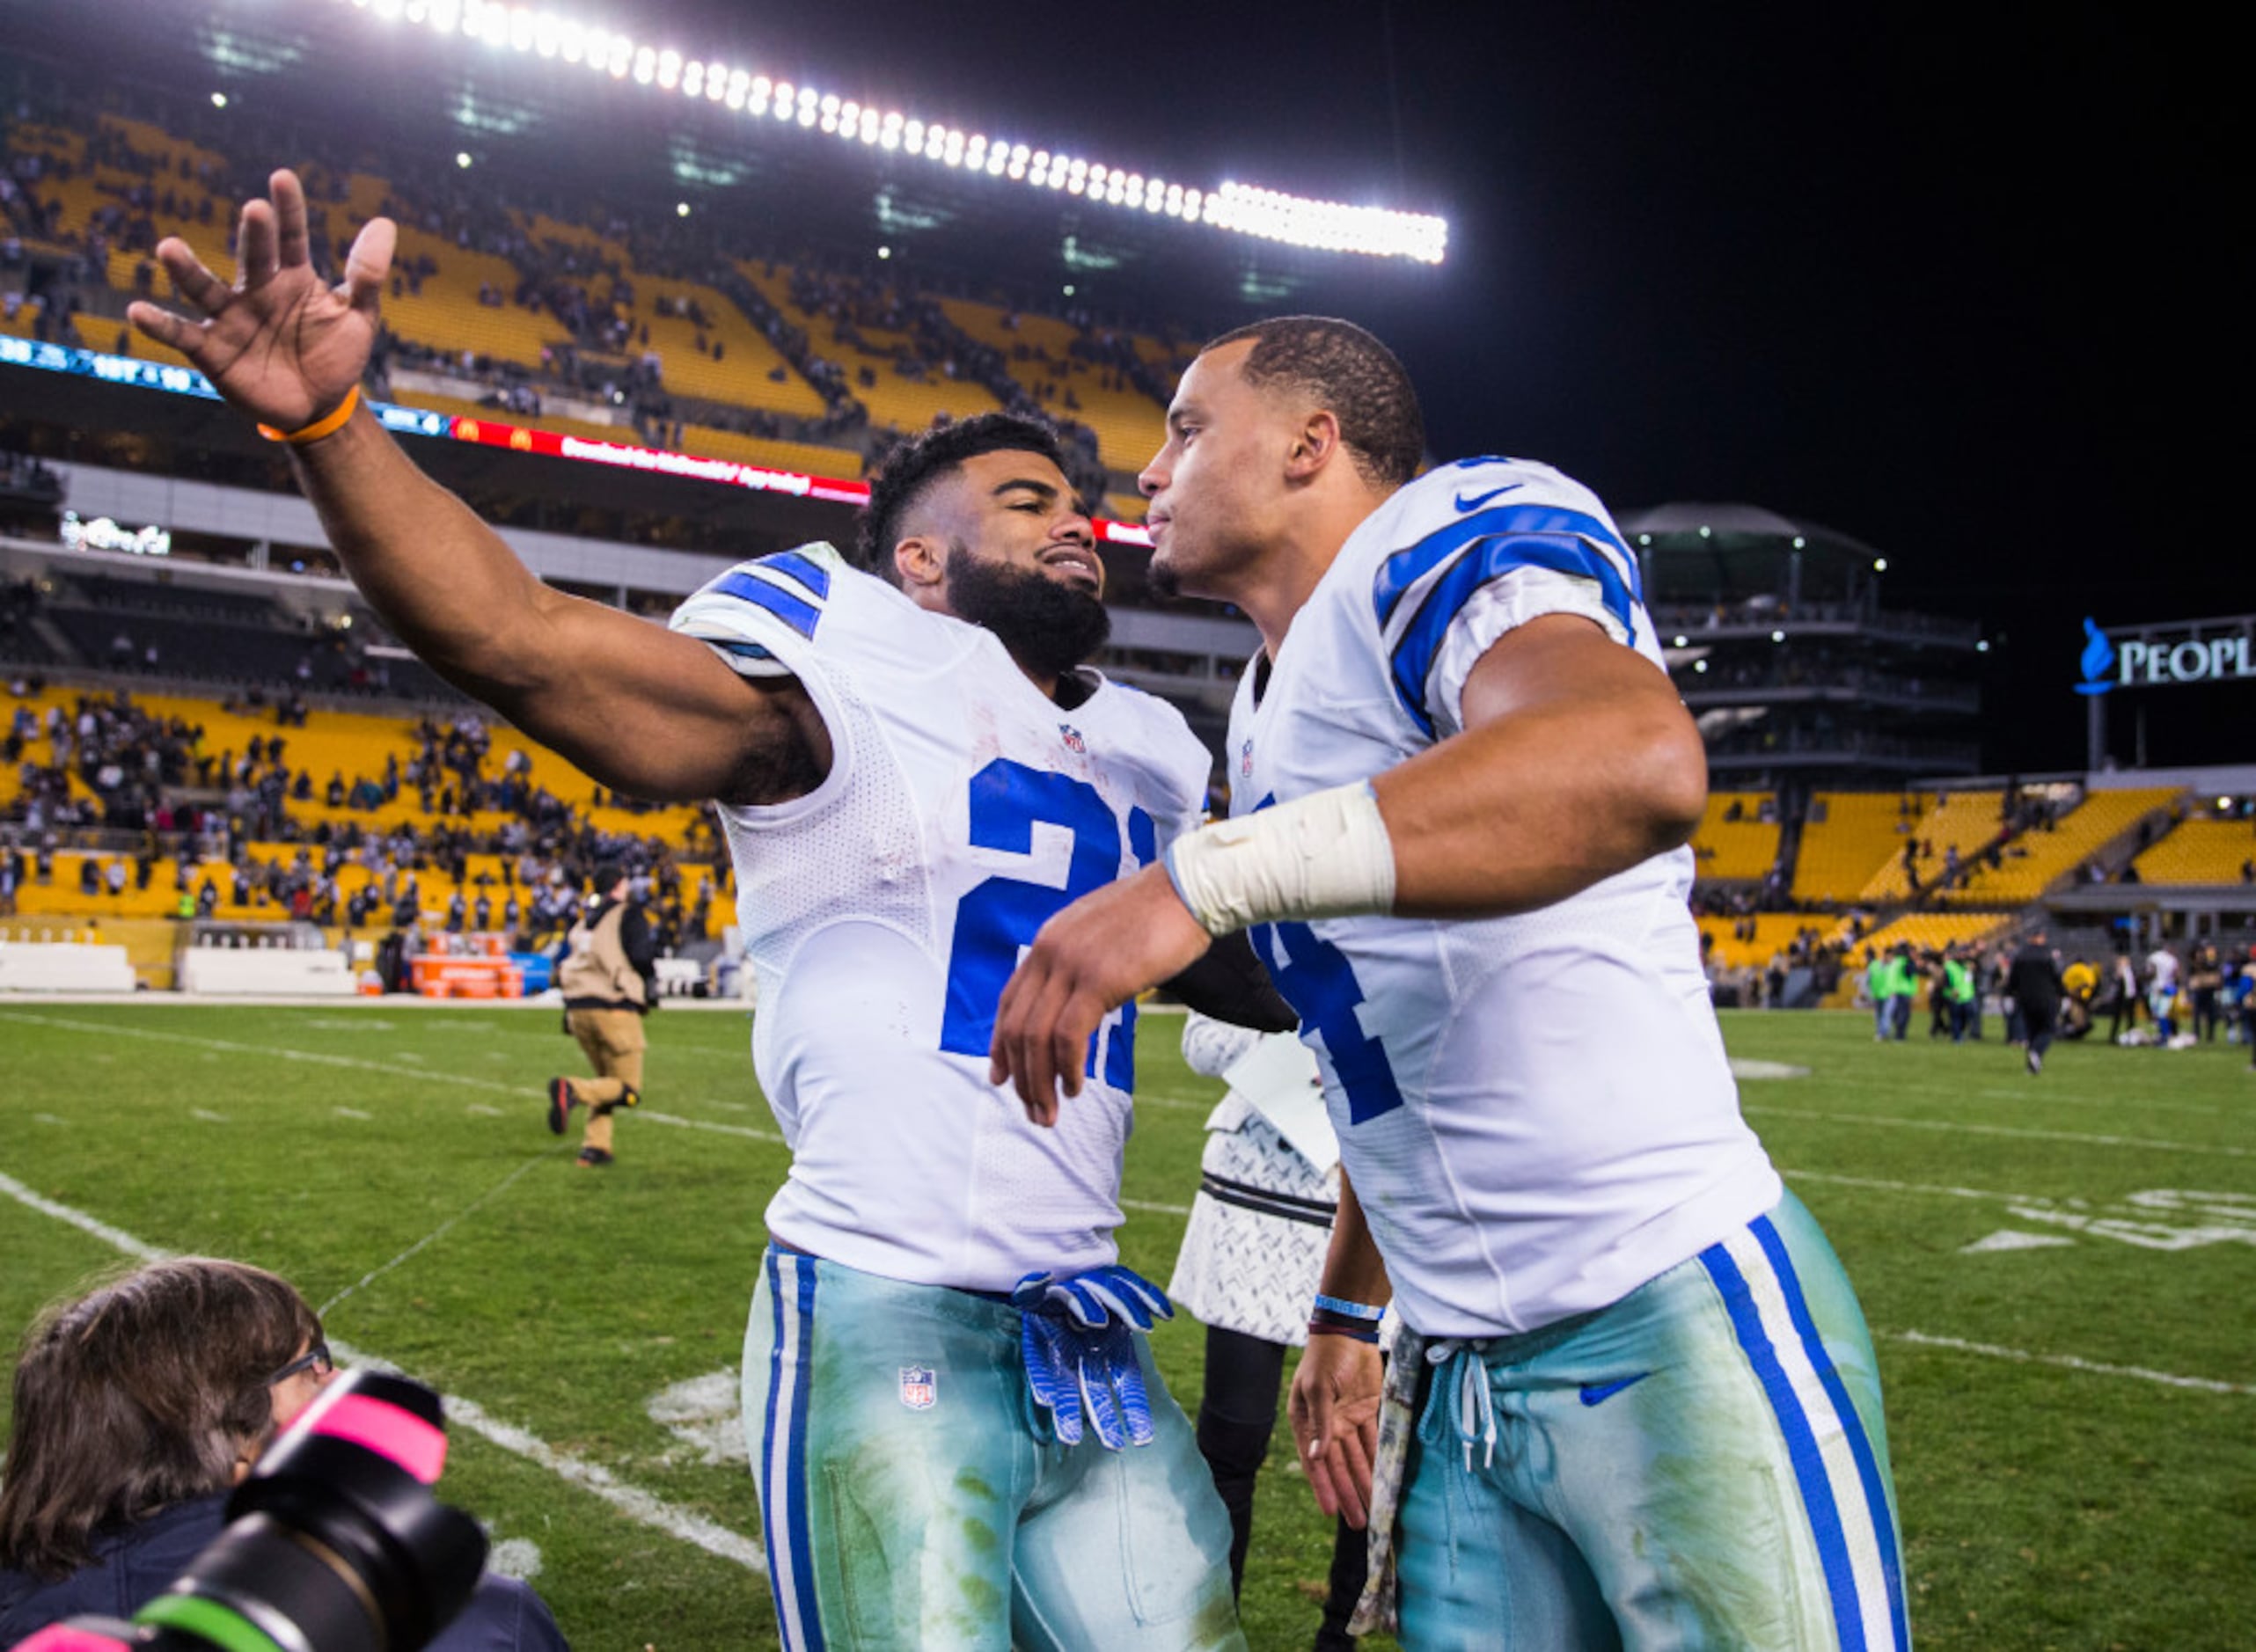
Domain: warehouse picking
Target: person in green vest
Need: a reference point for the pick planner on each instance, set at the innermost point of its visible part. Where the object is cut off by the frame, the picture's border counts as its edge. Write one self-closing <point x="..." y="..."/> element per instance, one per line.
<point x="1877" y="973"/>
<point x="1903" y="986"/>
<point x="185" y="908"/>
<point x="1959" y="993"/>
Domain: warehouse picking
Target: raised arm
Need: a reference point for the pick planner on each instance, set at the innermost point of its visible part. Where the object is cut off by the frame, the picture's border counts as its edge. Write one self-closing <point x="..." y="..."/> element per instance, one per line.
<point x="641" y="709"/>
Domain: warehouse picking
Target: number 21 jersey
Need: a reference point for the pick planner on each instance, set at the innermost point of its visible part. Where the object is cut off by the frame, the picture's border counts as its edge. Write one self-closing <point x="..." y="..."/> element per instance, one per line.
<point x="884" y="910"/>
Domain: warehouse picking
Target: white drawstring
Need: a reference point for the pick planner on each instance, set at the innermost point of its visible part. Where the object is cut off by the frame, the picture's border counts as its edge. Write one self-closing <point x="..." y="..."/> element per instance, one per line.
<point x="1475" y="1410"/>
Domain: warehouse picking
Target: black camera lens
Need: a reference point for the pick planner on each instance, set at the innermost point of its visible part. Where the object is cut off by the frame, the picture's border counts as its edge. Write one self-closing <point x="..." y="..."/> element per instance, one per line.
<point x="333" y="1544"/>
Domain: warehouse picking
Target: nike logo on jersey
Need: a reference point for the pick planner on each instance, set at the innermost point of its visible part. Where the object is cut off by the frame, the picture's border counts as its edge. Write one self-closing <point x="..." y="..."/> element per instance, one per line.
<point x="1598" y="1394"/>
<point x="1479" y="499"/>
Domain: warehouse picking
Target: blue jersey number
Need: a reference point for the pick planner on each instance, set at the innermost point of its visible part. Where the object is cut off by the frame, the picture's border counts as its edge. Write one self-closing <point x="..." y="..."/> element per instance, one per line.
<point x="1320" y="984"/>
<point x="998" y="918"/>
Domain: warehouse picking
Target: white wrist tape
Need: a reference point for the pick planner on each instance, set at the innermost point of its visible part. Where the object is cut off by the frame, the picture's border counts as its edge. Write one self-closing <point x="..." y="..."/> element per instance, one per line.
<point x="1325" y="855"/>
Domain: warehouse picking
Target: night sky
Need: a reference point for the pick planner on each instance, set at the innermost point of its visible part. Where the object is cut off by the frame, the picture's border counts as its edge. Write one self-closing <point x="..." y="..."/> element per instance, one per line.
<point x="1958" y="285"/>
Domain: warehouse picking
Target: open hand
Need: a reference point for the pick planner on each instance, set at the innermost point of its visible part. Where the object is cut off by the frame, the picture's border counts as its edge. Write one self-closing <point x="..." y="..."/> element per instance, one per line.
<point x="1085" y="962"/>
<point x="1334" y="1411"/>
<point x="279" y="344"/>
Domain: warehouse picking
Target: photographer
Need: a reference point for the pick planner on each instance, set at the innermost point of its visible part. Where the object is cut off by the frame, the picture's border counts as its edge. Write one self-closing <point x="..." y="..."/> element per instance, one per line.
<point x="609" y="979"/>
<point x="137" y="1408"/>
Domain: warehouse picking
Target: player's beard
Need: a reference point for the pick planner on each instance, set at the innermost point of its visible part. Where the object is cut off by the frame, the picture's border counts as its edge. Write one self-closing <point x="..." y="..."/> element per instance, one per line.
<point x="1049" y="626"/>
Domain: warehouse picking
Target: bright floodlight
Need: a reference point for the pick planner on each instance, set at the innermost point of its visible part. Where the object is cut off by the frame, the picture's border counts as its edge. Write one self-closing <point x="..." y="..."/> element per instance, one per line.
<point x="1244" y="209"/>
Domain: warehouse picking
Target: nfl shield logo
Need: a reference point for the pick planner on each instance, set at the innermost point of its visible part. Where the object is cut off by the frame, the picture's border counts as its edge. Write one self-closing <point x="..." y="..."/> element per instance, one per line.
<point x="918" y="1387"/>
<point x="1072" y="737"/>
<point x="1245" y="762"/>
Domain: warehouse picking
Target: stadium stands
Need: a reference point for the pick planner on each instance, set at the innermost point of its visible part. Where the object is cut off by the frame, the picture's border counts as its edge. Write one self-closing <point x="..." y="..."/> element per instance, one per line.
<point x="1931" y="931"/>
<point x="2204" y="851"/>
<point x="1738" y="835"/>
<point x="244" y="846"/>
<point x="1847" y="839"/>
<point x="2003" y="858"/>
<point x="1751" y="942"/>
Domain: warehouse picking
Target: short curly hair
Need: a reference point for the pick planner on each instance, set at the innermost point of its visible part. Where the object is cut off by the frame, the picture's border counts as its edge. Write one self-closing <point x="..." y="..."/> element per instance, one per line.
<point x="1349" y="374"/>
<point x="919" y="462"/>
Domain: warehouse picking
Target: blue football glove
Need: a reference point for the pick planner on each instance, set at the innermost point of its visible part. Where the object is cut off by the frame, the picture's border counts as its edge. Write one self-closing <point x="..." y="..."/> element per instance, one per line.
<point x="1081" y="1352"/>
<point x="1096" y="1298"/>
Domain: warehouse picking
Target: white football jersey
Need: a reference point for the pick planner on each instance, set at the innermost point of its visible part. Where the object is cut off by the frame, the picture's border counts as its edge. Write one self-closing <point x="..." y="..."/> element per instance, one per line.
<point x="884" y="910"/>
<point x="1536" y="1111"/>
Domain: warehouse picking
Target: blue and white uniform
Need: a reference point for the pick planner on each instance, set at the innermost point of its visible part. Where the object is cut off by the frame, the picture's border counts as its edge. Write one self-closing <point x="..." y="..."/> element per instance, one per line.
<point x="910" y="1493"/>
<point x="1541" y="1124"/>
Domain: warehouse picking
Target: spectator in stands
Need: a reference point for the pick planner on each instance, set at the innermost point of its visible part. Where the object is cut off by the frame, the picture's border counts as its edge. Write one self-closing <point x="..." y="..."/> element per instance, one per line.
<point x="609" y="979"/>
<point x="137" y="1407"/>
<point x="2035" y="985"/>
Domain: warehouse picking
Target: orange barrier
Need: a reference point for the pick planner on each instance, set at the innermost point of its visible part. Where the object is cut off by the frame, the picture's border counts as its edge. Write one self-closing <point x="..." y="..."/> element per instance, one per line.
<point x="437" y="976"/>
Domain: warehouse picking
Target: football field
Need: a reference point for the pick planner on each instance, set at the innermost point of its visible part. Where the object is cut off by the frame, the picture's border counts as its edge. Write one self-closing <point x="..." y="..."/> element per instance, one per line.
<point x="2059" y="1273"/>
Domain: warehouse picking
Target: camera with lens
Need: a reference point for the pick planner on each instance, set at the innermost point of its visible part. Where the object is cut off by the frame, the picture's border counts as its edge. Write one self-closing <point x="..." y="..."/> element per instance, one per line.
<point x="335" y="1543"/>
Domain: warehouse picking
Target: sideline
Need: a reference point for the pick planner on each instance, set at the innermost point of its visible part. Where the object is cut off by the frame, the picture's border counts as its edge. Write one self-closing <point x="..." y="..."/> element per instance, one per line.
<point x="636" y="1504"/>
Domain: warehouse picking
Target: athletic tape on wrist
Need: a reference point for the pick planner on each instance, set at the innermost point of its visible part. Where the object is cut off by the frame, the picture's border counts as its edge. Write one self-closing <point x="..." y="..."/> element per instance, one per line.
<point x="1325" y="855"/>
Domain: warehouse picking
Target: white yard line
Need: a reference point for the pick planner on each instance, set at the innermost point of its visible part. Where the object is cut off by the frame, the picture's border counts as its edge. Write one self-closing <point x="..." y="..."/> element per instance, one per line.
<point x="1158" y="1210"/>
<point x="2070" y="1362"/>
<point x="228" y="1046"/>
<point x="2043" y="1095"/>
<point x="1961" y="1126"/>
<point x="679" y="1124"/>
<point x="631" y="1501"/>
<point x="421" y="1074"/>
<point x="1885" y="1186"/>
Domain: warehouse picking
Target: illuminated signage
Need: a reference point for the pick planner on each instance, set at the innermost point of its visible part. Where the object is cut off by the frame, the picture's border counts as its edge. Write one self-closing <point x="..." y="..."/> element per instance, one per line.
<point x="2164" y="655"/>
<point x="419" y="422"/>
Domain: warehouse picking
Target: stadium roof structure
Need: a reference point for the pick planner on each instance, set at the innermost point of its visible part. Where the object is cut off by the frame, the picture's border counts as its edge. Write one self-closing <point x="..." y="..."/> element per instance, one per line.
<point x="804" y="164"/>
<point x="1730" y="551"/>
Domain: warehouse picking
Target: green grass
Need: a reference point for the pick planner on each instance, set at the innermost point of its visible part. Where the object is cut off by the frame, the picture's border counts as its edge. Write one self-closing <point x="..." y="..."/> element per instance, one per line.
<point x="2043" y="1505"/>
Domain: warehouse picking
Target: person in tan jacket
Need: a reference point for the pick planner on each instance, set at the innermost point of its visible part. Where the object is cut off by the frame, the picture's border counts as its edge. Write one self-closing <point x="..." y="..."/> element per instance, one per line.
<point x="607" y="979"/>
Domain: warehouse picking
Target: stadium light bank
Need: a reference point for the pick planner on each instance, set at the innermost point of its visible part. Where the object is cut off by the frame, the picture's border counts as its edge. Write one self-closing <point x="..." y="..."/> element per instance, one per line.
<point x="1327" y="225"/>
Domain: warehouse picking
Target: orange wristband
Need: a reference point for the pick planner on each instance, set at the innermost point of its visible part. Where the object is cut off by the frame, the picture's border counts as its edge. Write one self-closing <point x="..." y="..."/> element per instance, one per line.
<point x="328" y="425"/>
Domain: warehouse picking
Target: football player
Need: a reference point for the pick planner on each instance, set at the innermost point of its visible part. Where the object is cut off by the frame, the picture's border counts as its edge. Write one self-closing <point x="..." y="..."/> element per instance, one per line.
<point x="960" y="1437"/>
<point x="1647" y="1411"/>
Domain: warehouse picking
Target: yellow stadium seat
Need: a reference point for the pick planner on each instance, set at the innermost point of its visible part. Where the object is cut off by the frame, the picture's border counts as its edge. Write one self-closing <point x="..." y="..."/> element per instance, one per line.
<point x="806" y="458"/>
<point x="1843" y="853"/>
<point x="1744" y="848"/>
<point x="2200" y="851"/>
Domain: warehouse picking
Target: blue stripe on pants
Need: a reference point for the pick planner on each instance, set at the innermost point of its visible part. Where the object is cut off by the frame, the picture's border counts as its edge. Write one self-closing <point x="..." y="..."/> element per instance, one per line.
<point x="1860" y="1445"/>
<point x="783" y="1482"/>
<point x="1801" y="1445"/>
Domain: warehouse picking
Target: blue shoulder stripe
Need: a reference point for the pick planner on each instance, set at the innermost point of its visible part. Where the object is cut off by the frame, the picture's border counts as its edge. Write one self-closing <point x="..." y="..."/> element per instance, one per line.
<point x="1491" y="558"/>
<point x="1406" y="568"/>
<point x="809" y="572"/>
<point x="800" y="615"/>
